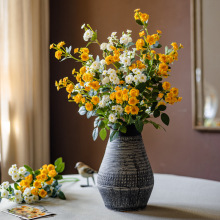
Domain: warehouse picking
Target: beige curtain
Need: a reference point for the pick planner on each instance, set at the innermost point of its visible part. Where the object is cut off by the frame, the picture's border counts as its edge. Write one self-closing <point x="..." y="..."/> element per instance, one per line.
<point x="24" y="78"/>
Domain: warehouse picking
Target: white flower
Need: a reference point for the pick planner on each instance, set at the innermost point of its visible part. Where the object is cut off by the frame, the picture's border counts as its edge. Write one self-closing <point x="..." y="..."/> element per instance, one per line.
<point x="112" y="118"/>
<point x="35" y="198"/>
<point x="116" y="80"/>
<point x="105" y="98"/>
<point x="27" y="192"/>
<point x="14" y="171"/>
<point x="22" y="170"/>
<point x="129" y="79"/>
<point x="10" y="171"/>
<point x="136" y="71"/>
<point x="111" y="71"/>
<point x="142" y="78"/>
<point x="14" y="166"/>
<point x="18" y="199"/>
<point x="95" y="65"/>
<point x="4" y="193"/>
<point x="83" y="26"/>
<point x="17" y="193"/>
<point x="119" y="109"/>
<point x="102" y="62"/>
<point x="126" y="61"/>
<point x="109" y="47"/>
<point x="114" y="107"/>
<point x="129" y="31"/>
<point x="102" y="104"/>
<point x="136" y="78"/>
<point x="103" y="46"/>
<point x="104" y="72"/>
<point x="15" y="177"/>
<point x="113" y="33"/>
<point x="87" y="35"/>
<point x="28" y="199"/>
<point x="124" y="39"/>
<point x="105" y="80"/>
<point x="5" y="185"/>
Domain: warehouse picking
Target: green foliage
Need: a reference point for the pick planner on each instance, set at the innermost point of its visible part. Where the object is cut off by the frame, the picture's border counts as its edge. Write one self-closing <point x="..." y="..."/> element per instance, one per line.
<point x="114" y="134"/>
<point x="165" y="119"/>
<point x="29" y="169"/>
<point x="139" y="125"/>
<point x="61" y="195"/>
<point x="82" y="110"/>
<point x="59" y="165"/>
<point x="103" y="133"/>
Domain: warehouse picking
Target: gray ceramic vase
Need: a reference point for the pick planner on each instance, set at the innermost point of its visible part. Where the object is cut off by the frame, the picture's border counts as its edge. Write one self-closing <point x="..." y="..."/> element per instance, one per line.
<point x="125" y="178"/>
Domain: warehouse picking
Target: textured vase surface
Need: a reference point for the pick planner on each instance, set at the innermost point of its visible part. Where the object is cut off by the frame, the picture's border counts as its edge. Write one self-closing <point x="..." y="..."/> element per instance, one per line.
<point x="125" y="178"/>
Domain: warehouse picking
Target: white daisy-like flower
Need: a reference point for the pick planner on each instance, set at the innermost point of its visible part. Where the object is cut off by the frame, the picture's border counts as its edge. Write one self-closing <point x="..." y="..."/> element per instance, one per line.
<point x="119" y="109"/>
<point x="105" y="80"/>
<point x="136" y="78"/>
<point x="35" y="198"/>
<point x="22" y="170"/>
<point x="136" y="71"/>
<point x="103" y="62"/>
<point x="104" y="72"/>
<point x="124" y="39"/>
<point x="126" y="61"/>
<point x="142" y="78"/>
<point x="129" y="31"/>
<point x="114" y="107"/>
<point x="103" y="46"/>
<point x="105" y="98"/>
<point x="129" y="79"/>
<point x="113" y="33"/>
<point x="28" y="199"/>
<point x="116" y="80"/>
<point x="111" y="71"/>
<point x="4" y="193"/>
<point x="14" y="166"/>
<point x="83" y="26"/>
<point x="15" y="177"/>
<point x="95" y="65"/>
<point x="17" y="193"/>
<point x="87" y="35"/>
<point x="18" y="199"/>
<point x="102" y="104"/>
<point x="112" y="118"/>
<point x="5" y="185"/>
<point x="10" y="171"/>
<point x="111" y="78"/>
<point x="109" y="47"/>
<point x="27" y="191"/>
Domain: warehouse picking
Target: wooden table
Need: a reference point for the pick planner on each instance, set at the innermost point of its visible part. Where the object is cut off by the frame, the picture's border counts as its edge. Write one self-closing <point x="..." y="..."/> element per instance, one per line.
<point x="173" y="197"/>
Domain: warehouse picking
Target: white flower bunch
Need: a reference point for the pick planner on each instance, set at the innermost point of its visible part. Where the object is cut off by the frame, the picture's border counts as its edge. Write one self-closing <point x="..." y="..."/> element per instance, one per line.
<point x="16" y="173"/>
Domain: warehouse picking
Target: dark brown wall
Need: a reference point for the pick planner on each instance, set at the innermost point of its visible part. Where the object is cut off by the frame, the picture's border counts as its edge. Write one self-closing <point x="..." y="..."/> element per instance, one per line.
<point x="180" y="150"/>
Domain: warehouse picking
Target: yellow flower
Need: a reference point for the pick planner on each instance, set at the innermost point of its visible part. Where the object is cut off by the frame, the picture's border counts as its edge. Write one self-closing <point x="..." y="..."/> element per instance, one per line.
<point x="44" y="166"/>
<point x="166" y="85"/>
<point x="50" y="167"/>
<point x="34" y="191"/>
<point x="44" y="171"/>
<point x="58" y="54"/>
<point x="73" y="71"/>
<point x="144" y="17"/>
<point x="175" y="46"/>
<point x="133" y="66"/>
<point x="133" y="101"/>
<point x="139" y="44"/>
<point x="181" y="46"/>
<point x="59" y="45"/>
<point x="134" y="110"/>
<point x="37" y="184"/>
<point x="77" y="98"/>
<point x="51" y="46"/>
<point x="109" y="59"/>
<point x="160" y="95"/>
<point x="94" y="85"/>
<point x="136" y="10"/>
<point x="134" y="92"/>
<point x="84" y="56"/>
<point x="52" y="173"/>
<point x="161" y="103"/>
<point x="89" y="106"/>
<point x="125" y="91"/>
<point x="24" y="183"/>
<point x="174" y="91"/>
<point x="121" y="82"/>
<point x="128" y="109"/>
<point x="42" y="193"/>
<point x="49" y="182"/>
<point x="162" y="58"/>
<point x="83" y="100"/>
<point x="76" y="50"/>
<point x="163" y="68"/>
<point x="151" y="39"/>
<point x="125" y="97"/>
<point x="112" y="96"/>
<point x="82" y="70"/>
<point x="119" y="94"/>
<point x="179" y="99"/>
<point x="95" y="100"/>
<point x="142" y="33"/>
<point x="70" y="88"/>
<point x="84" y="50"/>
<point x="159" y="32"/>
<point x="87" y="77"/>
<point x="29" y="178"/>
<point x="117" y="88"/>
<point x="43" y="176"/>
<point x="136" y="16"/>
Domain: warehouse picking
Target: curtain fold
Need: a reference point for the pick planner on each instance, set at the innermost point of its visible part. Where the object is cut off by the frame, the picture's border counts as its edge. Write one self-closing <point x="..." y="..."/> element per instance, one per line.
<point x="27" y="71"/>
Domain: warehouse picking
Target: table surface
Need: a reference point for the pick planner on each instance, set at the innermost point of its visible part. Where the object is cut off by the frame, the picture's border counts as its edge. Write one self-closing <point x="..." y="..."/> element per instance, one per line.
<point x="173" y="197"/>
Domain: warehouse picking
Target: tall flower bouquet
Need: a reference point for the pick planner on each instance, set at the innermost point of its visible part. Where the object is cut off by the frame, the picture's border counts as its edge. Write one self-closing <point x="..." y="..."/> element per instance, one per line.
<point x="128" y="85"/>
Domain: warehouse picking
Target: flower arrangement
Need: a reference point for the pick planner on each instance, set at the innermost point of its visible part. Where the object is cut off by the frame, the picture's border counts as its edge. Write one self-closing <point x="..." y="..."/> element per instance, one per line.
<point x="31" y="186"/>
<point x="127" y="86"/>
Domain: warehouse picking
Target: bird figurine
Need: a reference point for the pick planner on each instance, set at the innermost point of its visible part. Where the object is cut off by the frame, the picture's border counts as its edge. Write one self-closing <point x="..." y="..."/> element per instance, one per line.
<point x="86" y="172"/>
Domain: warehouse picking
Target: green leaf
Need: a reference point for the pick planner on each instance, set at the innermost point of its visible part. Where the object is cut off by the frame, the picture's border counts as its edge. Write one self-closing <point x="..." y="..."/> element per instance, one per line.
<point x="123" y="129"/>
<point x="95" y="133"/>
<point x="82" y="110"/>
<point x="156" y="113"/>
<point x="29" y="169"/>
<point x="153" y="106"/>
<point x="165" y="119"/>
<point x="101" y="124"/>
<point x="37" y="172"/>
<point x="61" y="195"/>
<point x="89" y="114"/>
<point x="106" y="89"/>
<point x="162" y="107"/>
<point x="116" y="126"/>
<point x="60" y="168"/>
<point x="144" y="52"/>
<point x="16" y="186"/>
<point x="58" y="161"/>
<point x="141" y="87"/>
<point x="139" y="22"/>
<point x="117" y="64"/>
<point x="99" y="111"/>
<point x="58" y="177"/>
<point x="114" y="134"/>
<point x="94" y="36"/>
<point x="103" y="133"/>
<point x="130" y="44"/>
<point x="158" y="46"/>
<point x="139" y="125"/>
